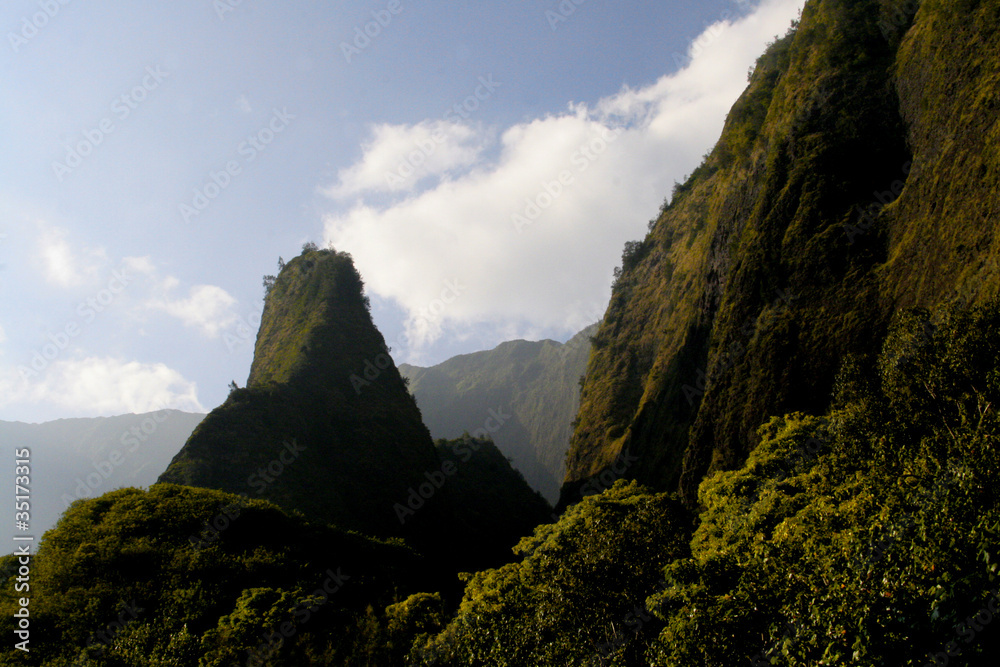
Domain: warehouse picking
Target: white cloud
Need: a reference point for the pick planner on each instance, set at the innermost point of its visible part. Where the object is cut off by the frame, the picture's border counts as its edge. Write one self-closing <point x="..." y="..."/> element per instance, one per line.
<point x="3" y="336"/>
<point x="143" y="265"/>
<point x="618" y="160"/>
<point x="398" y="157"/>
<point x="107" y="386"/>
<point x="207" y="307"/>
<point x="65" y="266"/>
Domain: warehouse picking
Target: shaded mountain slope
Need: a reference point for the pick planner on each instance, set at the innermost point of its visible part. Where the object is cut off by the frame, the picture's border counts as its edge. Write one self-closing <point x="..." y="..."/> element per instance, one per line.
<point x="494" y="506"/>
<point x="522" y="394"/>
<point x="856" y="175"/>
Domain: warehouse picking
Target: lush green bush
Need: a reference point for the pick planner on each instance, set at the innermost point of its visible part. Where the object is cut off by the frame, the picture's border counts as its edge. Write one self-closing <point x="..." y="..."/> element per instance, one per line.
<point x="184" y="576"/>
<point x="578" y="595"/>
<point x="866" y="537"/>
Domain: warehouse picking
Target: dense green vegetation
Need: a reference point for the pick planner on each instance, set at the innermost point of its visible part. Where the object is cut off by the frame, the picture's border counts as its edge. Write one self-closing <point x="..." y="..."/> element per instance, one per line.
<point x="578" y="591"/>
<point x="183" y="576"/>
<point x="523" y="394"/>
<point x="867" y="536"/>
<point x="186" y="576"/>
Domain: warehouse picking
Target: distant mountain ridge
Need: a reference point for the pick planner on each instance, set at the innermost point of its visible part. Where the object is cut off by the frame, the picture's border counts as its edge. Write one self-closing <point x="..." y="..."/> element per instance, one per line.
<point x="522" y="394"/>
<point x="87" y="457"/>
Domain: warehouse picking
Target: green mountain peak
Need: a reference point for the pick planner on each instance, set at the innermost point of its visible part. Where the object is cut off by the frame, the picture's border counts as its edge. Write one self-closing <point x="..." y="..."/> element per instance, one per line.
<point x="325" y="424"/>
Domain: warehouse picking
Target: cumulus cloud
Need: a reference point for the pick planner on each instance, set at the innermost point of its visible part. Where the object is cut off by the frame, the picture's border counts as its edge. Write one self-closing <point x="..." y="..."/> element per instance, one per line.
<point x="65" y="266"/>
<point x="139" y="265"/>
<point x="531" y="232"/>
<point x="206" y="307"/>
<point x="398" y="157"/>
<point x="108" y="386"/>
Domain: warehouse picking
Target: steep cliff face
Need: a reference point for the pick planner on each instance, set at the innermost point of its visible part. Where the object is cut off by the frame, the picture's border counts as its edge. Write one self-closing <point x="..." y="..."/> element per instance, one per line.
<point x="325" y="424"/>
<point x="524" y="395"/>
<point x="855" y="176"/>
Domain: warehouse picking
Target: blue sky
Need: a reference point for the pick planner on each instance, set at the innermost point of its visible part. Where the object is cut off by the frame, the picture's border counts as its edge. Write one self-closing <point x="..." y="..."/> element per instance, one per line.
<point x="484" y="164"/>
